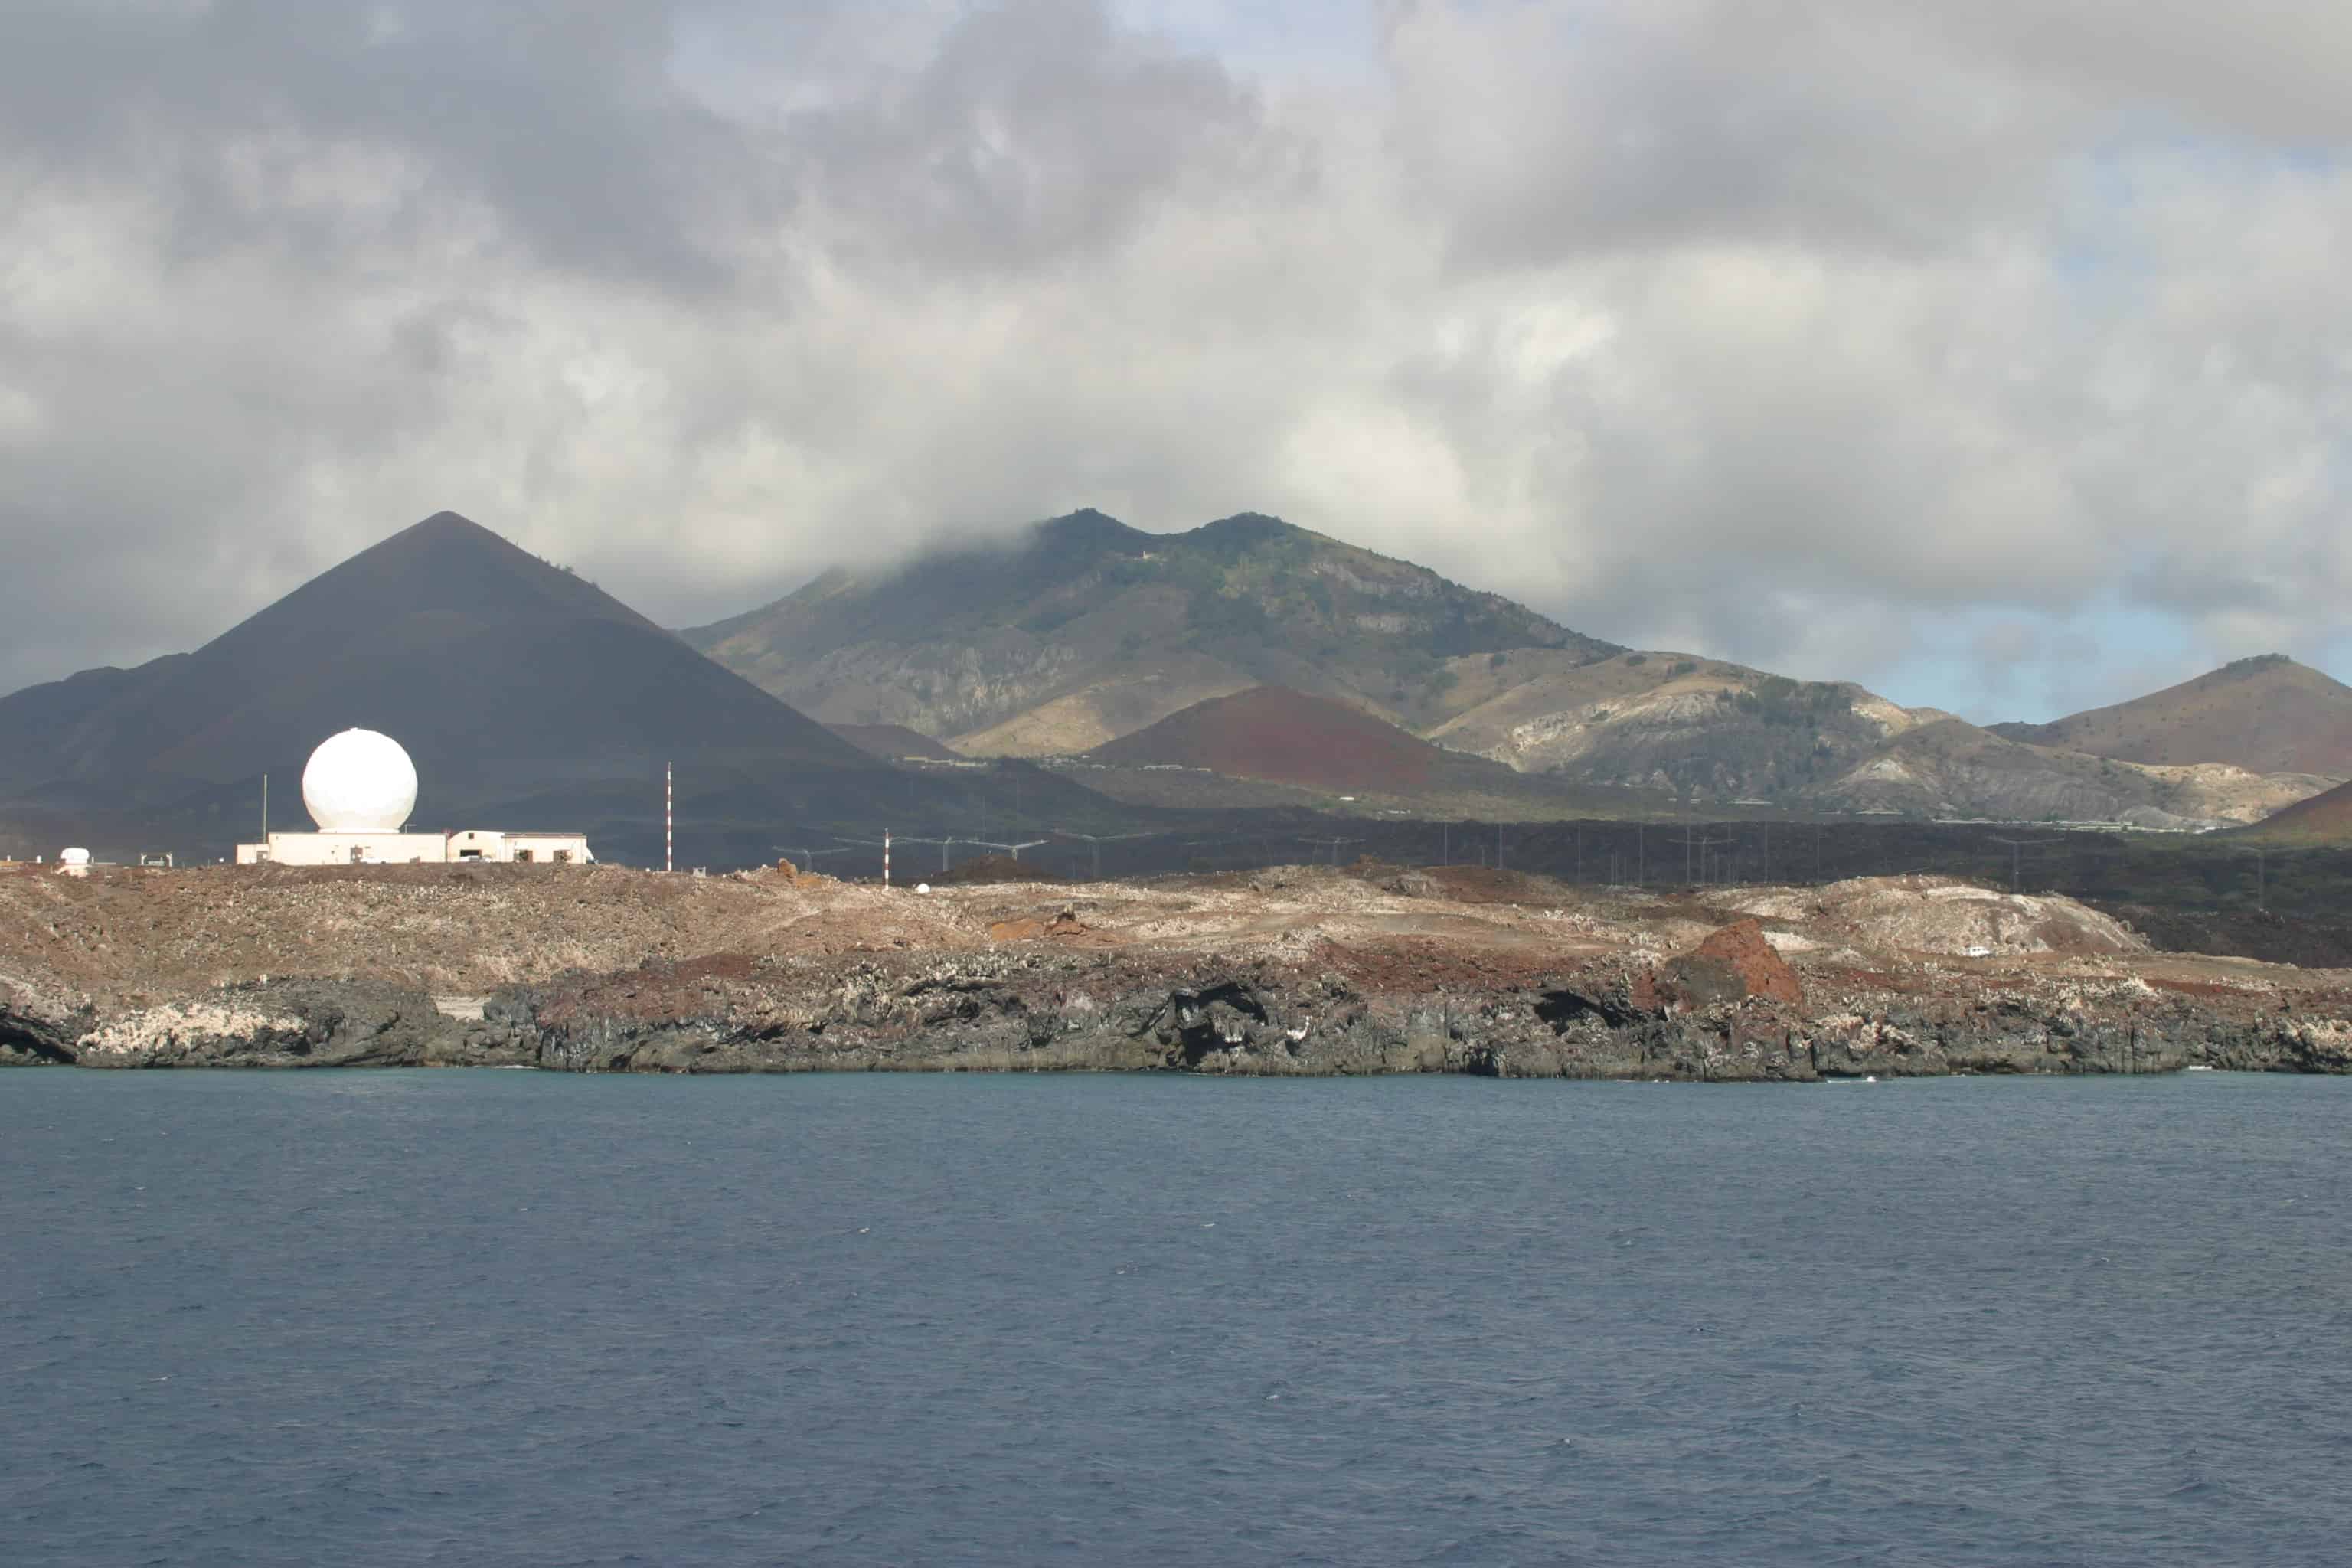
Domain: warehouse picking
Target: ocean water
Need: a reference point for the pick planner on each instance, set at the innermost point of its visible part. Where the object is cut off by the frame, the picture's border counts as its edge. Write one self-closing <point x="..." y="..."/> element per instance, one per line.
<point x="498" y="1318"/>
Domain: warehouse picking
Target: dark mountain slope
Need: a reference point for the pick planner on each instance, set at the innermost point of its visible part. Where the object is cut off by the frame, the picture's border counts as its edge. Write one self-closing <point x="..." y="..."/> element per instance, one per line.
<point x="515" y="686"/>
<point x="1085" y="629"/>
<point x="482" y="659"/>
<point x="894" y="742"/>
<point x="2268" y="715"/>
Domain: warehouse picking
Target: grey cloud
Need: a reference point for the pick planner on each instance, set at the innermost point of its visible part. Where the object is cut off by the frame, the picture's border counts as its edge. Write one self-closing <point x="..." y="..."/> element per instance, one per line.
<point x="561" y="118"/>
<point x="1034" y="131"/>
<point x="1545" y="130"/>
<point x="1787" y="332"/>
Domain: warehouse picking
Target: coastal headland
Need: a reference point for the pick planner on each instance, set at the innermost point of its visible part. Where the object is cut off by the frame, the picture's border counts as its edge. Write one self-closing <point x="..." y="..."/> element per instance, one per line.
<point x="1301" y="970"/>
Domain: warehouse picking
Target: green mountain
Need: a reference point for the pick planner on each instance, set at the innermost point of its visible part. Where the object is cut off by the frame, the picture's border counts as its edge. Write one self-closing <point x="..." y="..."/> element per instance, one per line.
<point x="1084" y="629"/>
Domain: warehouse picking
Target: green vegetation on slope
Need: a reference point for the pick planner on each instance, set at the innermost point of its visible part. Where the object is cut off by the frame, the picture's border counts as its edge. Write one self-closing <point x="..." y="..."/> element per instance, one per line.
<point x="1086" y="628"/>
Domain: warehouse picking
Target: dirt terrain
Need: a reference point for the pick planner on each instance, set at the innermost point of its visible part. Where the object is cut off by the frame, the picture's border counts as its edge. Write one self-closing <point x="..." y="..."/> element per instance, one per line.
<point x="1366" y="968"/>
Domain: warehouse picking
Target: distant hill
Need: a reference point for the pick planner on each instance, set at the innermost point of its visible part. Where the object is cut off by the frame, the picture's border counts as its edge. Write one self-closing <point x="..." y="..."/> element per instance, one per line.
<point x="1281" y="736"/>
<point x="1950" y="767"/>
<point x="526" y="696"/>
<point x="2323" y="820"/>
<point x="1700" y="728"/>
<point x="2267" y="714"/>
<point x="1085" y="629"/>
<point x="894" y="742"/>
<point x="1709" y="731"/>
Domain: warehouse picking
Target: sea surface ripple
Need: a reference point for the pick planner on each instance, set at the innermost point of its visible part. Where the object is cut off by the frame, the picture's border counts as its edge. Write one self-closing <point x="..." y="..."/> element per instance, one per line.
<point x="505" y="1318"/>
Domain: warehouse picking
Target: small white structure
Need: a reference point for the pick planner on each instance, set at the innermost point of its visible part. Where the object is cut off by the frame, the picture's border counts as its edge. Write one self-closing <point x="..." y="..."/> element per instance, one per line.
<point x="485" y="843"/>
<point x="359" y="787"/>
<point x="74" y="862"/>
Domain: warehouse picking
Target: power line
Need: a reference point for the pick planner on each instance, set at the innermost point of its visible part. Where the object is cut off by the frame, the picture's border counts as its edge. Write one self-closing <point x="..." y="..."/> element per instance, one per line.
<point x="1333" y="844"/>
<point x="1096" y="840"/>
<point x="1012" y="850"/>
<point x="2017" y="846"/>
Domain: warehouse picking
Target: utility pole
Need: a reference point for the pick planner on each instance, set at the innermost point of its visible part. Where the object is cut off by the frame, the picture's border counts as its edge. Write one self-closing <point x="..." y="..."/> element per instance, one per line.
<point x="669" y="821"/>
<point x="1012" y="850"/>
<point x="869" y="844"/>
<point x="265" y="813"/>
<point x="2016" y="850"/>
<point x="1096" y="840"/>
<point x="1333" y="844"/>
<point x="1691" y="842"/>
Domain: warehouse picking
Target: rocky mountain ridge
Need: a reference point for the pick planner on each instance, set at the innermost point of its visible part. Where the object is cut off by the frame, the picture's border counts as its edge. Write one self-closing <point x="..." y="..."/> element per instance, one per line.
<point x="1088" y="631"/>
<point x="1084" y="629"/>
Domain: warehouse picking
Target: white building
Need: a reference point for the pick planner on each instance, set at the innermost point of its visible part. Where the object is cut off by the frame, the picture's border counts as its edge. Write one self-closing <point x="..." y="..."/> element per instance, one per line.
<point x="485" y="844"/>
<point x="359" y="787"/>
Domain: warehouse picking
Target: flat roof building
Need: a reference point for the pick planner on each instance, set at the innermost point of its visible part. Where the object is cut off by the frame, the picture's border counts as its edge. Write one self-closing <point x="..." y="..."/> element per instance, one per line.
<point x="359" y="787"/>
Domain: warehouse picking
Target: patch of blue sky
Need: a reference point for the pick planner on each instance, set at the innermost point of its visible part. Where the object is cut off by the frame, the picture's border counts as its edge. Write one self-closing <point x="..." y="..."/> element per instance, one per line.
<point x="1297" y="38"/>
<point x="1994" y="662"/>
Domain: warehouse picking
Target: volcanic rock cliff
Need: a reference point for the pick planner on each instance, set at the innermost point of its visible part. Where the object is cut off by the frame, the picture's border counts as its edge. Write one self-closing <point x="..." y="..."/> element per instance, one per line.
<point x="1295" y="972"/>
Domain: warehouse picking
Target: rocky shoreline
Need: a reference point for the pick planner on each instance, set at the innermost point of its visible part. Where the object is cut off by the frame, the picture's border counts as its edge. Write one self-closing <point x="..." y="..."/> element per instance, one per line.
<point x="832" y="986"/>
<point x="1042" y="1013"/>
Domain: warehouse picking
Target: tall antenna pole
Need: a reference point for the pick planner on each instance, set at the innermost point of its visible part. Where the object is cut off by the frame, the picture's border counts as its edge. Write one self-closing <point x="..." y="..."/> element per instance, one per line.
<point x="2017" y="848"/>
<point x="886" y="856"/>
<point x="669" y="821"/>
<point x="265" y="813"/>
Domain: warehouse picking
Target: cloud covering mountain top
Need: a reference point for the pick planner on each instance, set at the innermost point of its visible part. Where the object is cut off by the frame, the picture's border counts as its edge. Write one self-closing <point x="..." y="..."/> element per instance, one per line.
<point x="1993" y="355"/>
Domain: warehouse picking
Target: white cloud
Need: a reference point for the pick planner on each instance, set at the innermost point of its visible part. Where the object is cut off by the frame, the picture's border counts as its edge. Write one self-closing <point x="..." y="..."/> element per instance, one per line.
<point x="1770" y="331"/>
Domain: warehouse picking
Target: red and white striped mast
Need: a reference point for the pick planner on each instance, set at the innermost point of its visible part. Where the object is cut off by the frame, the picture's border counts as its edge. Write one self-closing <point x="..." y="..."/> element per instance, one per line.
<point x="669" y="819"/>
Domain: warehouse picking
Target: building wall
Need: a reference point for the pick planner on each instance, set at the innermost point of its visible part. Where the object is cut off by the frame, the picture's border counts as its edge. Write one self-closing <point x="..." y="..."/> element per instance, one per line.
<point x="486" y="844"/>
<point x="345" y="849"/>
<point x="478" y="843"/>
<point x="559" y="847"/>
<point x="401" y="848"/>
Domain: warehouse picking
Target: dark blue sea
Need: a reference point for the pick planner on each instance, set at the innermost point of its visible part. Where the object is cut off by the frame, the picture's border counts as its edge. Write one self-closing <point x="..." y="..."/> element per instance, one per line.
<point x="492" y="1318"/>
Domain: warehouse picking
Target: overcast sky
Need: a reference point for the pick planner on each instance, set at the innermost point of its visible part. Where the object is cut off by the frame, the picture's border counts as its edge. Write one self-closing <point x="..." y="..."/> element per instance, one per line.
<point x="1994" y="354"/>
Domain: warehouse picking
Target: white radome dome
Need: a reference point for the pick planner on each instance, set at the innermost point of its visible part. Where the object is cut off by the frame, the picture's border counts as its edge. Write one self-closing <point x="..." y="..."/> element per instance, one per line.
<point x="359" y="782"/>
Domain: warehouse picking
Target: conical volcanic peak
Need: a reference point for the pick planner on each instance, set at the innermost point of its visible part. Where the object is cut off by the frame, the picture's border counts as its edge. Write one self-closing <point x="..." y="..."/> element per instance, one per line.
<point x="1281" y="736"/>
<point x="2267" y="714"/>
<point x="490" y="665"/>
<point x="447" y="564"/>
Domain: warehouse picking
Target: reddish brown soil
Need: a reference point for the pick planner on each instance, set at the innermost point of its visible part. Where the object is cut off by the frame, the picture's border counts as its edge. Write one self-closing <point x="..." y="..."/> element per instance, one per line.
<point x="1763" y="972"/>
<point x="1485" y="885"/>
<point x="1275" y="733"/>
<point x="2322" y="819"/>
